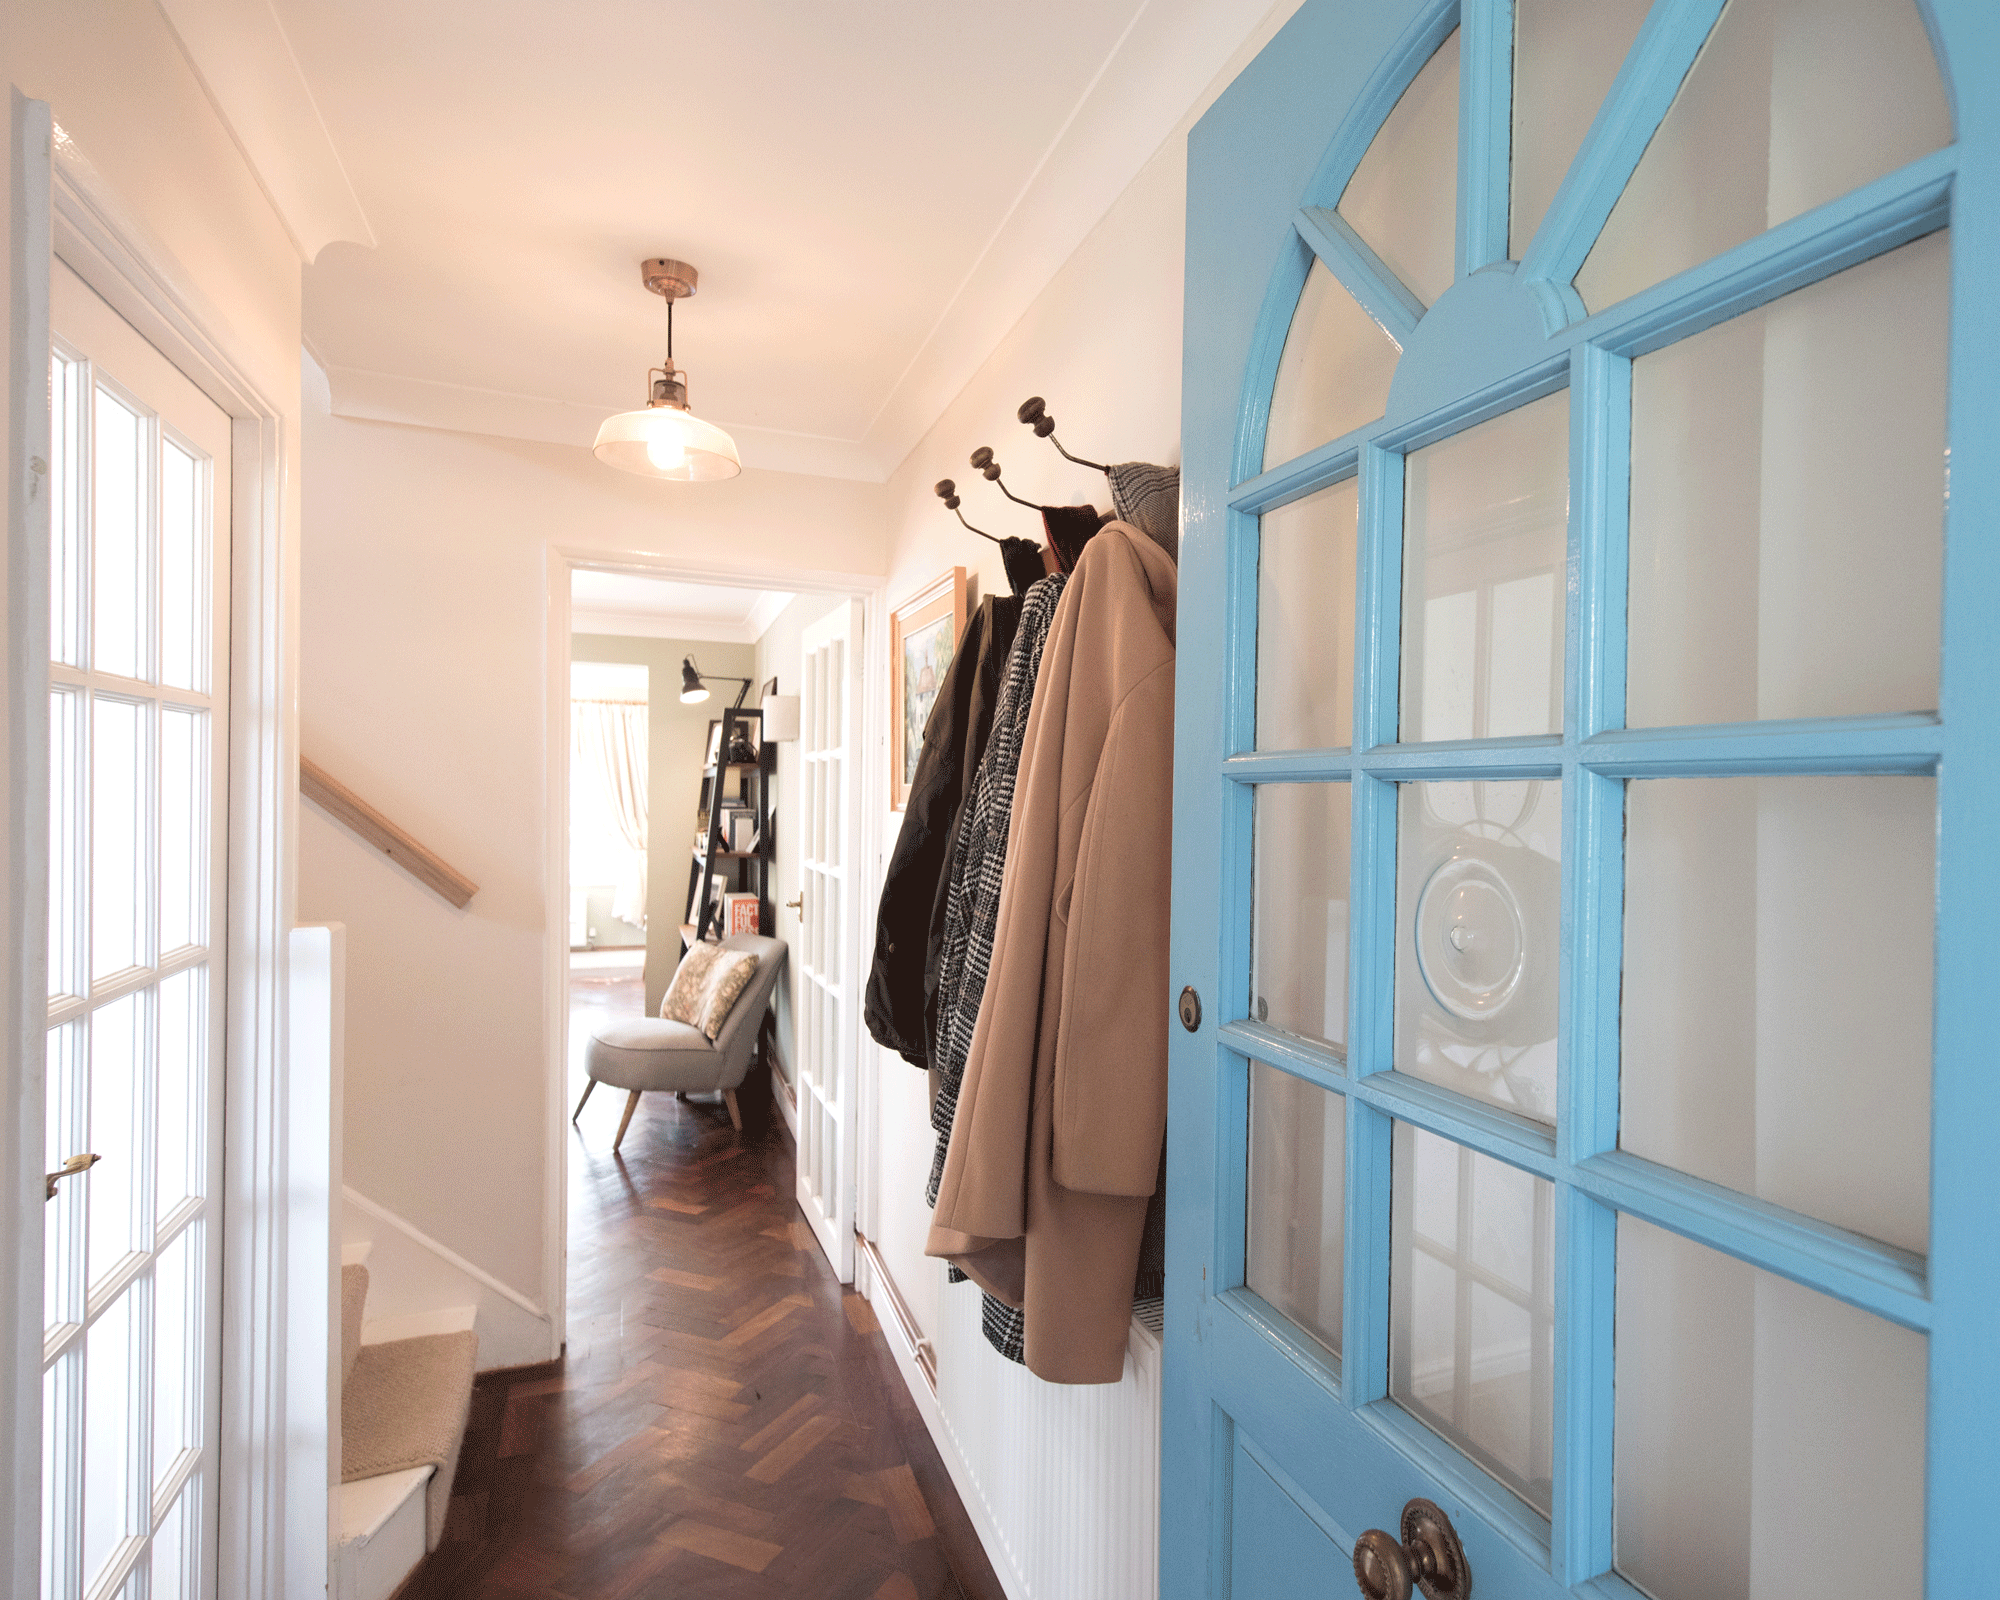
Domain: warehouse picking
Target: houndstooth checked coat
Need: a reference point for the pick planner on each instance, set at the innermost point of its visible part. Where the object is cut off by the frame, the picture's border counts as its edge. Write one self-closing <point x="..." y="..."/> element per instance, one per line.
<point x="1055" y="1145"/>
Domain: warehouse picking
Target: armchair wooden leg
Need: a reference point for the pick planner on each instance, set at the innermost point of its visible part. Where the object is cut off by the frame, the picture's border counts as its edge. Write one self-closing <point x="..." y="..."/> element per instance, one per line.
<point x="735" y="1112"/>
<point x="592" y="1084"/>
<point x="625" y="1121"/>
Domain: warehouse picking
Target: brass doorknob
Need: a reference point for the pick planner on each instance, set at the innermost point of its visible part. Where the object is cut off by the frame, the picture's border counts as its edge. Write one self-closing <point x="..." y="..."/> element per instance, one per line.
<point x="1428" y="1557"/>
<point x="69" y="1169"/>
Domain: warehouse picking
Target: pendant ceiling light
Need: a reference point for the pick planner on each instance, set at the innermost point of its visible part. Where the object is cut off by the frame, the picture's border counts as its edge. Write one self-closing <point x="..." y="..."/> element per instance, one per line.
<point x="666" y="440"/>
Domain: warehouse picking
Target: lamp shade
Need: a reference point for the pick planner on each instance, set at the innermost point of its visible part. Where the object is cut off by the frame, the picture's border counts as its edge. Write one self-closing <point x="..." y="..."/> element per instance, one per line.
<point x="781" y="717"/>
<point x="666" y="442"/>
<point x="692" y="688"/>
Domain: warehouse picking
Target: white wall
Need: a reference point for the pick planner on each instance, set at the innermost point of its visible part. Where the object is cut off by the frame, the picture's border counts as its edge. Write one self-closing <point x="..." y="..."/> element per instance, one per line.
<point x="424" y="676"/>
<point x="1102" y="344"/>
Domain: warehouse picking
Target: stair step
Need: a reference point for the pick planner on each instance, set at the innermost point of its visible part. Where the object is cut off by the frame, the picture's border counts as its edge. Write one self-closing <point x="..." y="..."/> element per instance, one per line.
<point x="367" y="1504"/>
<point x="405" y="1406"/>
<point x="382" y="1522"/>
<point x="417" y="1324"/>
<point x="353" y="1299"/>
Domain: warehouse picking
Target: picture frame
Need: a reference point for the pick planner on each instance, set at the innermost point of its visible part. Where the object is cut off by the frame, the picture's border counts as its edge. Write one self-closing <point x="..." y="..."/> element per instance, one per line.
<point x="923" y="636"/>
<point x="714" y="742"/>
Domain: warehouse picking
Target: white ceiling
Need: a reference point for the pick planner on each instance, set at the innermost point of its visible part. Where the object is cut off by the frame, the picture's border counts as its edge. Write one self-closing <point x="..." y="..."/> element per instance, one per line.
<point x="873" y="194"/>
<point x="660" y="608"/>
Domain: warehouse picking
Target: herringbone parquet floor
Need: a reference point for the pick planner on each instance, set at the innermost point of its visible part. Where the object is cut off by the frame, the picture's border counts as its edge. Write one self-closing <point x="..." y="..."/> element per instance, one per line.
<point x="726" y="1421"/>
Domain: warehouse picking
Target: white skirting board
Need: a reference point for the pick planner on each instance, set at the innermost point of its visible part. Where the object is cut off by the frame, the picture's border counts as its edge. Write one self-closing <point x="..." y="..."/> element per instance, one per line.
<point x="412" y="1274"/>
<point x="1062" y="1482"/>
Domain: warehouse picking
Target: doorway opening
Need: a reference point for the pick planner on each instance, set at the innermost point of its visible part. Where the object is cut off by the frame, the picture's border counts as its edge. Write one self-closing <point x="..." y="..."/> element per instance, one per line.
<point x="663" y="838"/>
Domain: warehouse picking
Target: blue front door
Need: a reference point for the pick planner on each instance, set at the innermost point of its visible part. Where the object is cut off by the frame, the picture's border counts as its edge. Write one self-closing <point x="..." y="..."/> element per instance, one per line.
<point x="1587" y="770"/>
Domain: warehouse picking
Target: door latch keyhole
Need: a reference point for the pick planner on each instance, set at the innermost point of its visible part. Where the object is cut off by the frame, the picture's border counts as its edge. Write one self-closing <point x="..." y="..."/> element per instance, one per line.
<point x="1429" y="1557"/>
<point x="1190" y="1010"/>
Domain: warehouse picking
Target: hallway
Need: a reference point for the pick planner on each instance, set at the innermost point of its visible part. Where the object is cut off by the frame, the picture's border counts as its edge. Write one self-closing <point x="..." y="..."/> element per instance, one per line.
<point x="726" y="1421"/>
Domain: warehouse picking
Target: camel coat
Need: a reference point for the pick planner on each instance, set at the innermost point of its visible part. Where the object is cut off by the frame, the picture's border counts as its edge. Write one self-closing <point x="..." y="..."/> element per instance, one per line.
<point x="1062" y="1115"/>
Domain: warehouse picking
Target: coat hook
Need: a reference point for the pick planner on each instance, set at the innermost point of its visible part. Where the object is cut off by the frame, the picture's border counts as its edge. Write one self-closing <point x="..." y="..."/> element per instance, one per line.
<point x="1034" y="412"/>
<point x="947" y="491"/>
<point x="982" y="458"/>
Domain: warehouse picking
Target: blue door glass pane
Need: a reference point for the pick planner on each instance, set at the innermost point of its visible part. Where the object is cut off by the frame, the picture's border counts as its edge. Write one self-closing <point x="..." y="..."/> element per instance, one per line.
<point x="1485" y="527"/>
<point x="1478" y="920"/>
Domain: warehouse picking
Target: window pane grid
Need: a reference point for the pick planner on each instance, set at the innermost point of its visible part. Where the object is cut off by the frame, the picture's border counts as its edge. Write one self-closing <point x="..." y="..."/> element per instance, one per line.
<point x="1592" y="758"/>
<point x="129" y="1279"/>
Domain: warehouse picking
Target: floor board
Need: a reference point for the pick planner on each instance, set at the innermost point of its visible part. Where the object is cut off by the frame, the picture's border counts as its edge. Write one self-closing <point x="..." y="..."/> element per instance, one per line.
<point x="726" y="1420"/>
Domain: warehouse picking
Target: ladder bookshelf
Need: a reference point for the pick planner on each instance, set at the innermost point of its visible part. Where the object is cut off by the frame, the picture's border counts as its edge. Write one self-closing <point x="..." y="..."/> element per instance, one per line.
<point x="729" y="788"/>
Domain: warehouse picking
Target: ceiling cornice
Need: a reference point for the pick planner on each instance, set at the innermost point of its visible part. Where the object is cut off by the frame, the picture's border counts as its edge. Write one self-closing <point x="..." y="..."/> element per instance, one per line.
<point x="244" y="62"/>
<point x="663" y="625"/>
<point x="1169" y="57"/>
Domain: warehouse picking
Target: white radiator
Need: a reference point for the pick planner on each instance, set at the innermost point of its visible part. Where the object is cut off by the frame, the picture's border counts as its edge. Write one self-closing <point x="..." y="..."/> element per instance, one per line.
<point x="1063" y="1482"/>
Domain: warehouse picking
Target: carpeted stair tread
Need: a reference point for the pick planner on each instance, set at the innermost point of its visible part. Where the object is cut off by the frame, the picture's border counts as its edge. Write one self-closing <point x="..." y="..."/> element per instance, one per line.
<point x="405" y="1405"/>
<point x="353" y="1300"/>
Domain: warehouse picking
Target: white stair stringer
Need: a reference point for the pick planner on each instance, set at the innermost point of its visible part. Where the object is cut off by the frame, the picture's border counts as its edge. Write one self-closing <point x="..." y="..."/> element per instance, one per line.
<point x="413" y="1276"/>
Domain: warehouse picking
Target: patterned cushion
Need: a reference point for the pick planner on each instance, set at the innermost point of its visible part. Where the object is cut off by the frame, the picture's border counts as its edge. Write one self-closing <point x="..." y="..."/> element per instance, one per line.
<point x="706" y="985"/>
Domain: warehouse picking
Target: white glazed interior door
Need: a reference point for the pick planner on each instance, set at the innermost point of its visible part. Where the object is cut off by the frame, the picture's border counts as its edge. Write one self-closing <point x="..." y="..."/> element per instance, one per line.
<point x="829" y="739"/>
<point x="138" y="738"/>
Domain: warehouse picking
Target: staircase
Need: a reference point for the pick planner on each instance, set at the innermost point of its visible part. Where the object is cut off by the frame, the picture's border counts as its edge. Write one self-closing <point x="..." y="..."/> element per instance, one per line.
<point x="406" y="1390"/>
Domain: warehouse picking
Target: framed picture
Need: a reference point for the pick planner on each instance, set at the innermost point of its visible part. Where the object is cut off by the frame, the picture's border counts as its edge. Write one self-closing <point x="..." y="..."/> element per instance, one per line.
<point x="714" y="741"/>
<point x="743" y="832"/>
<point x="923" y="634"/>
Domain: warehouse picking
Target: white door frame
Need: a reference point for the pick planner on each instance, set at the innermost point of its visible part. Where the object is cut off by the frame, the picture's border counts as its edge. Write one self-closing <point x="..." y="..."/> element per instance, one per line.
<point x="273" y="1525"/>
<point x="872" y="800"/>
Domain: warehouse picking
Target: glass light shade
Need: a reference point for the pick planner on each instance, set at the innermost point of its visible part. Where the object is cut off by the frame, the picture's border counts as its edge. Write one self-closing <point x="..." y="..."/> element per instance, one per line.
<point x="666" y="442"/>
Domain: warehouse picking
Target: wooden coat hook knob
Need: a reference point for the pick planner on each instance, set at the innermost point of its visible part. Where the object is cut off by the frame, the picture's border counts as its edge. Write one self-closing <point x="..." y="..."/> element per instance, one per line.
<point x="947" y="491"/>
<point x="982" y="458"/>
<point x="1034" y="413"/>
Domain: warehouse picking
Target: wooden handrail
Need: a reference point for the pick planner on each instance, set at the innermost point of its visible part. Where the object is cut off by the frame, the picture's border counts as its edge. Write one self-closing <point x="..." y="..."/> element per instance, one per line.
<point x="344" y="805"/>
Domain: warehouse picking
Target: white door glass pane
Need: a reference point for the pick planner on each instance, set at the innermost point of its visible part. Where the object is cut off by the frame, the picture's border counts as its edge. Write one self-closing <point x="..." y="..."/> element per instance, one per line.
<point x="117" y="836"/>
<point x="173" y="1548"/>
<point x="1471" y="1305"/>
<point x="182" y="1093"/>
<point x="1298" y="951"/>
<point x="1788" y="494"/>
<point x="1776" y="1026"/>
<point x="1485" y="536"/>
<point x="58" y="1523"/>
<point x="117" y="1040"/>
<point x="1769" y="1440"/>
<point x="1791" y="104"/>
<point x="183" y="570"/>
<point x="1403" y="198"/>
<point x="66" y="834"/>
<point x="1478" y="912"/>
<point x="1296" y="1229"/>
<point x="108" y="1430"/>
<point x="63" y="1217"/>
<point x="184" y="767"/>
<point x="68" y="508"/>
<point x="177" y="1308"/>
<point x="119" y="546"/>
<point x="1334" y="375"/>
<point x="1566" y="52"/>
<point x="1305" y="621"/>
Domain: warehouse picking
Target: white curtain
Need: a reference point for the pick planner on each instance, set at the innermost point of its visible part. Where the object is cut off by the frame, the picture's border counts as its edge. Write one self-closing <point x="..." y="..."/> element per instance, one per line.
<point x="608" y="747"/>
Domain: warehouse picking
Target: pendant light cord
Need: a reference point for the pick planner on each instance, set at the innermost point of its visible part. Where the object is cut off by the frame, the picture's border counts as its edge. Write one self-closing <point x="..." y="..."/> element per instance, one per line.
<point x="670" y="330"/>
